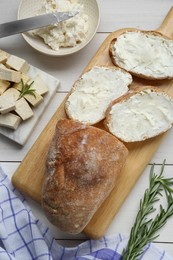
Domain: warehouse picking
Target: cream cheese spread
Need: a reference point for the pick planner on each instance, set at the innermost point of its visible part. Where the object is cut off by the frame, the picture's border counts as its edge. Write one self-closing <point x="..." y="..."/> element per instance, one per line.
<point x="93" y="93"/>
<point x="144" y="53"/>
<point x="142" y="116"/>
<point x="68" y="33"/>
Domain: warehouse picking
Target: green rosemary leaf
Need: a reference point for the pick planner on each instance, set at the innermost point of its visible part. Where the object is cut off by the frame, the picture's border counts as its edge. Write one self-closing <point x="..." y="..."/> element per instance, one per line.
<point x="26" y="89"/>
<point x="145" y="230"/>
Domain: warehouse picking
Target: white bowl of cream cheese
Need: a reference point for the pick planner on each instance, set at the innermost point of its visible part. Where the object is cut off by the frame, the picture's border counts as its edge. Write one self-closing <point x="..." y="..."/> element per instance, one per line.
<point x="66" y="37"/>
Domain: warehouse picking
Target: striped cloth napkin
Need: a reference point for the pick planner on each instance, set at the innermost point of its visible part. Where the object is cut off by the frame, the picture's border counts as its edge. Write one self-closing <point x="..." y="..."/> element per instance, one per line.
<point x="23" y="237"/>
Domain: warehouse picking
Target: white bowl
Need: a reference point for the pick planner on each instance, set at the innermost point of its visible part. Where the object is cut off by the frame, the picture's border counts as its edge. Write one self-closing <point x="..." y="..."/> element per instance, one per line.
<point x="29" y="8"/>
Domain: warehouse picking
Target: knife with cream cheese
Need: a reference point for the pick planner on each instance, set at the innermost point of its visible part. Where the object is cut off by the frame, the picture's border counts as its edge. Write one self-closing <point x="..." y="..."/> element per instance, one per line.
<point x="27" y="24"/>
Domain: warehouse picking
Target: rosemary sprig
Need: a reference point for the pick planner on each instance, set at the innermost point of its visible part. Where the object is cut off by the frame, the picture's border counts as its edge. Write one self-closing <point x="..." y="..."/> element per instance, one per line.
<point x="144" y="230"/>
<point x="26" y="89"/>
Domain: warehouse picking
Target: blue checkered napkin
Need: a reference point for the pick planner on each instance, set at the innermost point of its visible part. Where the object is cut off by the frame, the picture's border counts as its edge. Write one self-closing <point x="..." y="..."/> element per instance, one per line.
<point x="24" y="237"/>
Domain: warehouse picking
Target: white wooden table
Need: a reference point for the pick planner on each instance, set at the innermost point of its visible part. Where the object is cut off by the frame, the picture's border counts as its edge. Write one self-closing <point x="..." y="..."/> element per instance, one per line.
<point x="115" y="14"/>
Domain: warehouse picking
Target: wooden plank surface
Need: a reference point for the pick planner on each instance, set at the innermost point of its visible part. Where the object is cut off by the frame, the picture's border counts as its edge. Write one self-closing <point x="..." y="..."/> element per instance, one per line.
<point x="29" y="175"/>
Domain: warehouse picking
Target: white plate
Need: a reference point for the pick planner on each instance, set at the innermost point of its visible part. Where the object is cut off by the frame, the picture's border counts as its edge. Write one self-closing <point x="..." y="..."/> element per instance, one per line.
<point x="22" y="133"/>
<point x="29" y="8"/>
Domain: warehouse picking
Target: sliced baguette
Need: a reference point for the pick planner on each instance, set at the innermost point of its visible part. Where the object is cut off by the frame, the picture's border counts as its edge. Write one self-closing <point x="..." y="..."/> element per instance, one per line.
<point x="94" y="91"/>
<point x="140" y="115"/>
<point x="145" y="54"/>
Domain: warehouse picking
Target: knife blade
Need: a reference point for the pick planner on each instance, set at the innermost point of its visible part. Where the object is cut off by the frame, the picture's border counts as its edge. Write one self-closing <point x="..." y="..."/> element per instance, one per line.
<point x="23" y="25"/>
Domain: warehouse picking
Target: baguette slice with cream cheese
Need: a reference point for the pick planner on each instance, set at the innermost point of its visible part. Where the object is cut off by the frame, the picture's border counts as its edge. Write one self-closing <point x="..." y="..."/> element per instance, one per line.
<point x="146" y="54"/>
<point x="94" y="91"/>
<point x="142" y="114"/>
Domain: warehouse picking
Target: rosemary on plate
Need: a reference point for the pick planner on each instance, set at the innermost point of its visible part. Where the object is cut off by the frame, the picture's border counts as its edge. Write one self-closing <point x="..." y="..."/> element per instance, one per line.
<point x="26" y="89"/>
<point x="145" y="230"/>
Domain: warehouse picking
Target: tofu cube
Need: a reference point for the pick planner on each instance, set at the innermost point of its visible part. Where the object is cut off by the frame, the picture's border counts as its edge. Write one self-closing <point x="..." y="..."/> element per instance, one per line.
<point x="14" y="93"/>
<point x="3" y="66"/>
<point x="39" y="85"/>
<point x="10" y="75"/>
<point x="17" y="63"/>
<point x="34" y="100"/>
<point x="4" y="85"/>
<point x="10" y="120"/>
<point x="25" y="78"/>
<point x="7" y="104"/>
<point x="8" y="100"/>
<point x="3" y="56"/>
<point x="23" y="109"/>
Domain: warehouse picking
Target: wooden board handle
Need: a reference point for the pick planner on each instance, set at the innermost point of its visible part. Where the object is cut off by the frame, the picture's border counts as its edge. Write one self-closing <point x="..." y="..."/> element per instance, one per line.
<point x="166" y="28"/>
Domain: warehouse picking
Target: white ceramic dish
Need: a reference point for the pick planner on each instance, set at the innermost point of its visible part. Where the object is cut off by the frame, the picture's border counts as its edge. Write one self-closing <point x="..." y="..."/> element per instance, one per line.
<point x="22" y="133"/>
<point x="29" y="8"/>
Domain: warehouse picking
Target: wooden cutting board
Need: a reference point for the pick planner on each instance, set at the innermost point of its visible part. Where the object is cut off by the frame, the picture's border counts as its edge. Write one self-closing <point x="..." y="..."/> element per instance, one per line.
<point x="28" y="178"/>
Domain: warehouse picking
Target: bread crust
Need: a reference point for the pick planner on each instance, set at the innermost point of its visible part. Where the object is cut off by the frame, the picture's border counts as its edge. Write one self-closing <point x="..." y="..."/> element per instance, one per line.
<point x="139" y="75"/>
<point x="81" y="170"/>
<point x="126" y="97"/>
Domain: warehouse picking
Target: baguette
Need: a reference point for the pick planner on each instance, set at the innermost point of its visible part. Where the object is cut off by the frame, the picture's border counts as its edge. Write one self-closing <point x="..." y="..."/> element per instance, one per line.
<point x="145" y="54"/>
<point x="93" y="92"/>
<point x="82" y="166"/>
<point x="140" y="115"/>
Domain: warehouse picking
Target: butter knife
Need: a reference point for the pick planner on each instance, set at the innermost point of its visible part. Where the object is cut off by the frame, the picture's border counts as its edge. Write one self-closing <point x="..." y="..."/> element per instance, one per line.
<point x="23" y="25"/>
